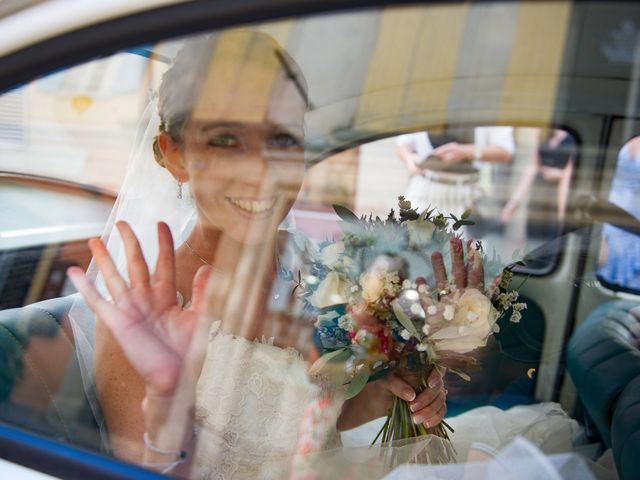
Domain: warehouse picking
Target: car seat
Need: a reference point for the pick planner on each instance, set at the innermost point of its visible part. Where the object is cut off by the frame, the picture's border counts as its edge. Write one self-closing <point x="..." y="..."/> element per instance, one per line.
<point x="31" y="336"/>
<point x="603" y="359"/>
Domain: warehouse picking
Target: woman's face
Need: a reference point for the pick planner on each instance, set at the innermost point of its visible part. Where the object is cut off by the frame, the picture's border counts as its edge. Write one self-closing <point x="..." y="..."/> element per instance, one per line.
<point x="243" y="152"/>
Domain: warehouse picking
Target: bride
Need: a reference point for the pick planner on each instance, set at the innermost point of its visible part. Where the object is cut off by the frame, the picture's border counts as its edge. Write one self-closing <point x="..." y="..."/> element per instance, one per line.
<point x="180" y="392"/>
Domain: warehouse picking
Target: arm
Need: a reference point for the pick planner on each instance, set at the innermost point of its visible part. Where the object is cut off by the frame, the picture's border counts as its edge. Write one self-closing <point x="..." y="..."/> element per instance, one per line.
<point x="163" y="343"/>
<point x="453" y="152"/>
<point x="120" y="393"/>
<point x="522" y="189"/>
<point x="494" y="154"/>
<point x="563" y="189"/>
<point x="409" y="158"/>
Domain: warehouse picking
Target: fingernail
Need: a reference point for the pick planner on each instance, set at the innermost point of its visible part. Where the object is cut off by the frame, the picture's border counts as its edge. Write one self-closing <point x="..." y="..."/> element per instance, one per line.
<point x="414" y="406"/>
<point x="432" y="383"/>
<point x="409" y="395"/>
<point x="418" y="419"/>
<point x="426" y="423"/>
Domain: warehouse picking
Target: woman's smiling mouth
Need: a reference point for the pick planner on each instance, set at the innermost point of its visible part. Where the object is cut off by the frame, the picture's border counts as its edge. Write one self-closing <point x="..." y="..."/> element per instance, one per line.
<point x="253" y="206"/>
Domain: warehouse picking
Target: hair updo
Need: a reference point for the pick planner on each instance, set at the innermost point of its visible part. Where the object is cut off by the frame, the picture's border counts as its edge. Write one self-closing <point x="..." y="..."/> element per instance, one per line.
<point x="182" y="83"/>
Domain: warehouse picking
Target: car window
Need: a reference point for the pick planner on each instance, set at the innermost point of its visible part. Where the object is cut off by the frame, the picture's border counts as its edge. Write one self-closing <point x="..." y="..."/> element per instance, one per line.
<point x="235" y="253"/>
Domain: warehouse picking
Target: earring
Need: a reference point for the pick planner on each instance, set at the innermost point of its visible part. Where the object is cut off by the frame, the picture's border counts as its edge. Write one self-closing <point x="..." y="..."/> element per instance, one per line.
<point x="179" y="190"/>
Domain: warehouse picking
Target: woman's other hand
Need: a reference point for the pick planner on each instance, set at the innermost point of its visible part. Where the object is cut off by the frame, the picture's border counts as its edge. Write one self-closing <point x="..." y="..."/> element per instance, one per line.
<point x="156" y="335"/>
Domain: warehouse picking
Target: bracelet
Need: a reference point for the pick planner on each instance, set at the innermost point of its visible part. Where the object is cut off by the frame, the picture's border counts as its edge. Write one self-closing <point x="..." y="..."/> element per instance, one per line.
<point x="180" y="455"/>
<point x="165" y="467"/>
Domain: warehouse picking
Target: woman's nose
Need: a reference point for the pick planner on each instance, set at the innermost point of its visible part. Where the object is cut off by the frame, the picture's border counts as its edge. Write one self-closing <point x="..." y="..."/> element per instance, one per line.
<point x="254" y="165"/>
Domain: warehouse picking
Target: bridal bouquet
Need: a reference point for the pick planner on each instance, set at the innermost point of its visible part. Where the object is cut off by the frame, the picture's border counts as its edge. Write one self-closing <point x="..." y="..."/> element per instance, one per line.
<point x="416" y="321"/>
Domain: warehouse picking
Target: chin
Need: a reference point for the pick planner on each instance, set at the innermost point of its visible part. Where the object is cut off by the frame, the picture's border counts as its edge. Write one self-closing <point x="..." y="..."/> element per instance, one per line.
<point x="255" y="233"/>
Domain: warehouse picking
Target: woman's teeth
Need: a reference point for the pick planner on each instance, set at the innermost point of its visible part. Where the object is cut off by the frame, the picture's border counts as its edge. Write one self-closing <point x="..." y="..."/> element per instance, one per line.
<point x="254" y="206"/>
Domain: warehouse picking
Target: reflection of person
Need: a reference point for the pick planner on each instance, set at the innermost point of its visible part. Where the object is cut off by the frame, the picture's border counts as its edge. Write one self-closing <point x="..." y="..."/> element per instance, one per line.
<point x="445" y="177"/>
<point x="551" y="164"/>
<point x="620" y="259"/>
<point x="231" y="125"/>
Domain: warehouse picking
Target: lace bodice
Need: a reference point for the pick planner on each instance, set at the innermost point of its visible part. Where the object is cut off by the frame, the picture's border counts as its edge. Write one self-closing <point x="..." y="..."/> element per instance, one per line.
<point x="250" y="404"/>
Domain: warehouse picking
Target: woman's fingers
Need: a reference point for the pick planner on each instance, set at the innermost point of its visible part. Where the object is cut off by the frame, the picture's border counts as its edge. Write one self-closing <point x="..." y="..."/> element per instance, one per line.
<point x="199" y="288"/>
<point x="136" y="264"/>
<point x="399" y="387"/>
<point x="435" y="376"/>
<point x="439" y="271"/>
<point x="96" y="302"/>
<point x="164" y="273"/>
<point x="438" y="416"/>
<point x="423" y="293"/>
<point x="475" y="268"/>
<point x="432" y="413"/>
<point x="457" y="263"/>
<point x="116" y="285"/>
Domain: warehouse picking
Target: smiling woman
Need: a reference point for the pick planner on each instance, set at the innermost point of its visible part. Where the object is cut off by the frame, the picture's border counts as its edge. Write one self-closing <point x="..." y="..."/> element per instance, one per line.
<point x="239" y="150"/>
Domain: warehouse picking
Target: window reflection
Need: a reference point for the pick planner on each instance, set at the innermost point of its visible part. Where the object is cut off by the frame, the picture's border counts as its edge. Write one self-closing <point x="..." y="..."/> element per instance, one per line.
<point x="619" y="261"/>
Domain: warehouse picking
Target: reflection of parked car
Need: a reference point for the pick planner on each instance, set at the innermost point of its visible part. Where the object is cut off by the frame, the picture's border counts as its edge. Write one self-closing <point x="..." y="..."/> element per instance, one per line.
<point x="45" y="222"/>
<point x="372" y="74"/>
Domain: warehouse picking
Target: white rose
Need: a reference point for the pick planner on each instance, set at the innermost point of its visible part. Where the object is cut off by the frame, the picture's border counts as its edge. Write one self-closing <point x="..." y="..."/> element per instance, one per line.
<point x="331" y="291"/>
<point x="330" y="255"/>
<point x="471" y="326"/>
<point x="372" y="286"/>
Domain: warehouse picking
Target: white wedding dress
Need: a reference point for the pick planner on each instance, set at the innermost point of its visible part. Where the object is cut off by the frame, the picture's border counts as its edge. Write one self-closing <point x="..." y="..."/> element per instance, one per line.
<point x="260" y="416"/>
<point x="252" y="399"/>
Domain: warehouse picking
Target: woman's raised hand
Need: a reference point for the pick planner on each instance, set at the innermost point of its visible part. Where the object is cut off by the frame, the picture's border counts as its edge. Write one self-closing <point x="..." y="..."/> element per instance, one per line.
<point x="465" y="275"/>
<point x="158" y="337"/>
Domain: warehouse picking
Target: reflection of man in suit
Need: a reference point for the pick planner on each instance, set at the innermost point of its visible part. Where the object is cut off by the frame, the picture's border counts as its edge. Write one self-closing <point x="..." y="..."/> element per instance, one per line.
<point x="444" y="171"/>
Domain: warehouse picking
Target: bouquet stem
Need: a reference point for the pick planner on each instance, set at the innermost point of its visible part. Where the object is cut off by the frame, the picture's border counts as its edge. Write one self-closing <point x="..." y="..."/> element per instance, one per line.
<point x="399" y="425"/>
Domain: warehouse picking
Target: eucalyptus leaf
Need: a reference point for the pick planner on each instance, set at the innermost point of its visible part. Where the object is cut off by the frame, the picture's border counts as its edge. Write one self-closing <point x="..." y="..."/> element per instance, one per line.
<point x="345" y="214"/>
<point x="358" y="382"/>
<point x="336" y="356"/>
<point x="460" y="373"/>
<point x="404" y="320"/>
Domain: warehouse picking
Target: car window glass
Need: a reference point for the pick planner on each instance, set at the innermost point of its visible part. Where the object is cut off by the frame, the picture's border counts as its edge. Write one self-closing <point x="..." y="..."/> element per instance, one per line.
<point x="301" y="182"/>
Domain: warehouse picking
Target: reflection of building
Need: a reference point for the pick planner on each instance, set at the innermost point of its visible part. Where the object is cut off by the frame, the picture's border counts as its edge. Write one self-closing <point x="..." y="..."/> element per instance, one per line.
<point x="78" y="124"/>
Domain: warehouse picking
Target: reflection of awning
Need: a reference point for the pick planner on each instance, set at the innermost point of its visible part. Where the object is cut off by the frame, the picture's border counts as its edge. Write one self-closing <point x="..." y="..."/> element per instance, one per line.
<point x="373" y="73"/>
<point x="402" y="69"/>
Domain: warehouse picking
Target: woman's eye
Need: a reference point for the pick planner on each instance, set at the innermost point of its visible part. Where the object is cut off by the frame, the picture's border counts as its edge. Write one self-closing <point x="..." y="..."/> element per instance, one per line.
<point x="224" y="140"/>
<point x="283" y="140"/>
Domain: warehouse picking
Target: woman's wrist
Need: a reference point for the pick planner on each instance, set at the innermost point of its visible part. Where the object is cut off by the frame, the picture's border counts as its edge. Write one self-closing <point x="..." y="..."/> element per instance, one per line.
<point x="168" y="420"/>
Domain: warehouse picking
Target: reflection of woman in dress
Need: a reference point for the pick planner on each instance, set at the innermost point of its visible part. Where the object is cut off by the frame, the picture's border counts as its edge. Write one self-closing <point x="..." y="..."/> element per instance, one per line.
<point x="231" y="125"/>
<point x="447" y="177"/>
<point x="551" y="164"/>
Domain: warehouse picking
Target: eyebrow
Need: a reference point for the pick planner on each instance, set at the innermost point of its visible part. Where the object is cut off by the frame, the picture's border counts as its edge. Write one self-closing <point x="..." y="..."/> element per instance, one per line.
<point x="223" y="124"/>
<point x="212" y="125"/>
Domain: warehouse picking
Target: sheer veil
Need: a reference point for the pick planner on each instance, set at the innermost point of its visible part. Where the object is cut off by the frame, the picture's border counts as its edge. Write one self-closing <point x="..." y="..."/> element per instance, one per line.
<point x="149" y="194"/>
